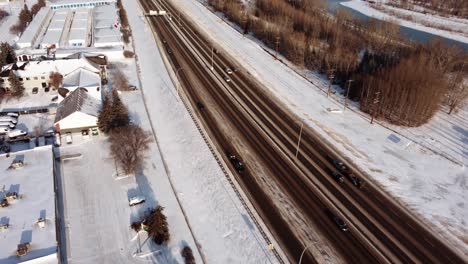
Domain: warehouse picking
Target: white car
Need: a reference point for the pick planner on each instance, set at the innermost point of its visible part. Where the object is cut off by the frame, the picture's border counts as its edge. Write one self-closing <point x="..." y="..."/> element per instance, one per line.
<point x="227" y="70"/>
<point x="227" y="79"/>
<point x="68" y="138"/>
<point x="136" y="200"/>
<point x="17" y="133"/>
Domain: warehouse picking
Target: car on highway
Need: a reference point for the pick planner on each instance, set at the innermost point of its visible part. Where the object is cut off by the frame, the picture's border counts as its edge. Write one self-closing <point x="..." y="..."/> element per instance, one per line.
<point x="136" y="200"/>
<point x="236" y="163"/>
<point x="200" y="105"/>
<point x="347" y="172"/>
<point x="227" y="70"/>
<point x="227" y="79"/>
<point x="337" y="176"/>
<point x="339" y="222"/>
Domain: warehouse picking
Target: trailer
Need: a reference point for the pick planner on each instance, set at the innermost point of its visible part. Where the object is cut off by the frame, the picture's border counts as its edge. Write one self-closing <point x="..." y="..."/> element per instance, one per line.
<point x="157" y="13"/>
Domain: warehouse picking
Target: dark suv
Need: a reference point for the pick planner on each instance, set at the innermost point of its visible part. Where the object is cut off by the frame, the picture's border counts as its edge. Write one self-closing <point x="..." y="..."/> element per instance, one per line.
<point x="347" y="172"/>
<point x="237" y="163"/>
<point x="340" y="223"/>
<point x="337" y="176"/>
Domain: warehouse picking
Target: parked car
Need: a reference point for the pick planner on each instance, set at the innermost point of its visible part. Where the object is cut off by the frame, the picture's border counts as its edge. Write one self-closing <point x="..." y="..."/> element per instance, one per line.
<point x="35" y="90"/>
<point x="7" y="124"/>
<point x="237" y="163"/>
<point x="227" y="70"/>
<point x="227" y="79"/>
<point x="337" y="176"/>
<point x="58" y="140"/>
<point x="55" y="98"/>
<point x="94" y="131"/>
<point x="17" y="133"/>
<point x="68" y="138"/>
<point x="8" y="119"/>
<point x="136" y="200"/>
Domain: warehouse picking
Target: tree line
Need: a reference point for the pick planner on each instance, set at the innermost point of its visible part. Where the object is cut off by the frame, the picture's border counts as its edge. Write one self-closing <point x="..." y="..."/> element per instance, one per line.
<point x="442" y="7"/>
<point x="367" y="52"/>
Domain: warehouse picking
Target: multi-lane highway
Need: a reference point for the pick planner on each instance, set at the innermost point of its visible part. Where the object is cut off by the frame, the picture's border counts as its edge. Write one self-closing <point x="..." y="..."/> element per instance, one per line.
<point x="243" y="119"/>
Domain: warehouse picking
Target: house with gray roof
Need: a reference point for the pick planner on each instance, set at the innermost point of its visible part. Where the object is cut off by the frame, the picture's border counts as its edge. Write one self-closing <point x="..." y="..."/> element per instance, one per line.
<point x="77" y="112"/>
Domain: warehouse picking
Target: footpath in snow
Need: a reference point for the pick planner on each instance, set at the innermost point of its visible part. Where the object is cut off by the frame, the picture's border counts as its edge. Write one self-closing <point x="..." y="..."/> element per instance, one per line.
<point x="452" y="23"/>
<point x="221" y="227"/>
<point x="422" y="179"/>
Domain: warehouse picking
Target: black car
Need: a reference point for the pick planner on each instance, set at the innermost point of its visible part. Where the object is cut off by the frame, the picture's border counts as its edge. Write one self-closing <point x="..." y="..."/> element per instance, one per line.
<point x="338" y="221"/>
<point x="337" y="176"/>
<point x="237" y="163"/>
<point x="200" y="105"/>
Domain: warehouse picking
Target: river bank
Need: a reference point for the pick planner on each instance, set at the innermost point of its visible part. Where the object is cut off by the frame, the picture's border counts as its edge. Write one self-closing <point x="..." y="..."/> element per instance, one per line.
<point x="458" y="26"/>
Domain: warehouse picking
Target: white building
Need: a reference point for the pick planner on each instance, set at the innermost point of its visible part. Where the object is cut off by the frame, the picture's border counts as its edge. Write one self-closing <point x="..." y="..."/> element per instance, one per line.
<point x="80" y="30"/>
<point x="72" y="4"/>
<point x="33" y="31"/>
<point x="83" y="78"/>
<point x="54" y="33"/>
<point x="36" y="74"/>
<point x="29" y="218"/>
<point x="106" y="25"/>
<point x="77" y="112"/>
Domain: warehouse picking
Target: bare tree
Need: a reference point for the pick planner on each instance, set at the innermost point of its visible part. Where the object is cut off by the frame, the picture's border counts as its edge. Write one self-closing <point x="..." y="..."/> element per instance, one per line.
<point x="128" y="146"/>
<point x="457" y="94"/>
<point x="56" y="79"/>
<point x="119" y="80"/>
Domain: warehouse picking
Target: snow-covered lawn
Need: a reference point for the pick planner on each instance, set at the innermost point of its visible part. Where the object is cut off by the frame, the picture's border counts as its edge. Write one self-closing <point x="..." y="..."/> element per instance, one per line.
<point x="418" y="175"/>
<point x="419" y="21"/>
<point x="97" y="215"/>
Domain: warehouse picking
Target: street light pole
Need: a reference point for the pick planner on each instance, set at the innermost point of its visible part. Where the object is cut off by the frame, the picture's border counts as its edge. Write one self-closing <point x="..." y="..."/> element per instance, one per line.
<point x="303" y="252"/>
<point x="277" y="46"/>
<point x="331" y="76"/>
<point x="374" y="105"/>
<point x="299" y="139"/>
<point x="212" y="57"/>
<point x="347" y="93"/>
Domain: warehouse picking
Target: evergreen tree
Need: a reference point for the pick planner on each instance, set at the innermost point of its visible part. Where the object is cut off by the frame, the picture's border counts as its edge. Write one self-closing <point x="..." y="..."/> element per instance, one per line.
<point x="120" y="116"/>
<point x="7" y="54"/>
<point x="25" y="16"/>
<point x="16" y="86"/>
<point x="105" y="116"/>
<point x="158" y="226"/>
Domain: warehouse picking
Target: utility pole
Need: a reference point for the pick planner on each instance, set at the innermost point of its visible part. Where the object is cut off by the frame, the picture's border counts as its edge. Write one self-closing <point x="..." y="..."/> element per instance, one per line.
<point x="347" y="93"/>
<point x="374" y="105"/>
<point x="277" y="46"/>
<point x="212" y="57"/>
<point x="299" y="139"/>
<point x="331" y="76"/>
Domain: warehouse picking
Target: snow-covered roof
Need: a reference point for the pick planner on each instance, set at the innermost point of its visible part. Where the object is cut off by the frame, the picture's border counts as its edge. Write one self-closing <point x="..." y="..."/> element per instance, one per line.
<point x="45" y="67"/>
<point x="34" y="27"/>
<point x="51" y="37"/>
<point x="105" y="12"/>
<point x="56" y="25"/>
<point x="107" y="32"/>
<point x="78" y="101"/>
<point x="34" y="184"/>
<point x="81" y="78"/>
<point x="78" y="34"/>
<point x="104" y="23"/>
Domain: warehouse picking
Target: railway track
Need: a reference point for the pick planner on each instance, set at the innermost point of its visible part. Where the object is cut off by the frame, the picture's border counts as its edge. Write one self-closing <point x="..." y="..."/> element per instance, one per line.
<point x="270" y="132"/>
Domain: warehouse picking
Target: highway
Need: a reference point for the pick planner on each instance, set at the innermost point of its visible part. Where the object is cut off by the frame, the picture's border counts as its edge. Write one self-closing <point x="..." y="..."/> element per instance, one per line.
<point x="242" y="118"/>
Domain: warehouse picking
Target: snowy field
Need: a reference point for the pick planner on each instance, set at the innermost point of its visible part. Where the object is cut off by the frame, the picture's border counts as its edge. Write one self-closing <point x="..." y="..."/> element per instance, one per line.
<point x="421" y="178"/>
<point x="456" y="24"/>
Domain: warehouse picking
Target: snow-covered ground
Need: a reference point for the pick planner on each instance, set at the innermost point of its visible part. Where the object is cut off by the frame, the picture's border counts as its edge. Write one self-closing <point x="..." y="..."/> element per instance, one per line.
<point x="222" y="228"/>
<point x="414" y="170"/>
<point x="13" y="7"/>
<point x="420" y="21"/>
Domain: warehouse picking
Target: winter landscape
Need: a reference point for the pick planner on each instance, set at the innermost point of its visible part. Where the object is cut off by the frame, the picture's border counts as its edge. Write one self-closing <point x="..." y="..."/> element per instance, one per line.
<point x="233" y="131"/>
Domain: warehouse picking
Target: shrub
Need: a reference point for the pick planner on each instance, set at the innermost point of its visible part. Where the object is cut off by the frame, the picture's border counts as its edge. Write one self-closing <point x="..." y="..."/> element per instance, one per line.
<point x="187" y="254"/>
<point x="128" y="54"/>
